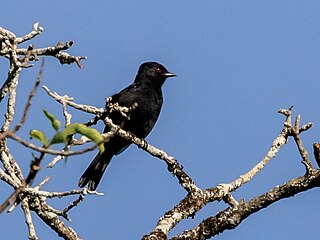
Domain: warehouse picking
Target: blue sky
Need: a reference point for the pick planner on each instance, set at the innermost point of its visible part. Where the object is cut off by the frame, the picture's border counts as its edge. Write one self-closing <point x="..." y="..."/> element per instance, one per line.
<point x="237" y="63"/>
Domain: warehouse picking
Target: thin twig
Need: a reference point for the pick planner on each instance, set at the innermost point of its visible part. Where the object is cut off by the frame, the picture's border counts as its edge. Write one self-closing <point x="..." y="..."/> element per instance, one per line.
<point x="295" y="131"/>
<point x="72" y="205"/>
<point x="67" y="100"/>
<point x="11" y="199"/>
<point x="47" y="150"/>
<point x="55" y="161"/>
<point x="42" y="183"/>
<point x="82" y="191"/>
<point x="36" y="30"/>
<point x="29" y="101"/>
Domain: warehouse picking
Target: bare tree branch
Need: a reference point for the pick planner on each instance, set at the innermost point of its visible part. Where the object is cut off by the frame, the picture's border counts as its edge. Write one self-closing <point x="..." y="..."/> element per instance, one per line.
<point x="36" y="30"/>
<point x="233" y="216"/>
<point x="303" y="152"/>
<point x="52" y="220"/>
<point x="191" y="204"/>
<point x="69" y="101"/>
<point x="27" y="213"/>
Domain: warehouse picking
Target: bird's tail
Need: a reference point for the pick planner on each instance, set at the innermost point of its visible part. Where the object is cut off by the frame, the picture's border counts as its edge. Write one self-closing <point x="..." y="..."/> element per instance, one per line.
<point x="94" y="172"/>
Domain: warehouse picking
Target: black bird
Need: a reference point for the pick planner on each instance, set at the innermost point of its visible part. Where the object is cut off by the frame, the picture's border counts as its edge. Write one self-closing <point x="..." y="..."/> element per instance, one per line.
<point x="145" y="92"/>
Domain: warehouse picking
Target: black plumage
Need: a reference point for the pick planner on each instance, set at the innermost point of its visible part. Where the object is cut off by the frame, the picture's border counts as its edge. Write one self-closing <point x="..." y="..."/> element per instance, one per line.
<point x="145" y="92"/>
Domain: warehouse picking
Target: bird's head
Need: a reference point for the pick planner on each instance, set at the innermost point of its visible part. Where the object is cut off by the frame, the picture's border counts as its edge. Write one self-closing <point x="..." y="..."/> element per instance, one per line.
<point x="153" y="73"/>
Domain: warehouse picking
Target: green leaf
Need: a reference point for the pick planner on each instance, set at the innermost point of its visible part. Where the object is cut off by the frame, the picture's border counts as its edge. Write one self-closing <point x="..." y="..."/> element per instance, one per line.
<point x="71" y="129"/>
<point x="90" y="133"/>
<point x="54" y="122"/>
<point x="39" y="136"/>
<point x="59" y="137"/>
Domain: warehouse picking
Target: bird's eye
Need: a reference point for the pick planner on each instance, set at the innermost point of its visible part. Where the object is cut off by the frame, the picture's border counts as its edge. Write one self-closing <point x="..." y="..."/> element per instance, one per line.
<point x="158" y="70"/>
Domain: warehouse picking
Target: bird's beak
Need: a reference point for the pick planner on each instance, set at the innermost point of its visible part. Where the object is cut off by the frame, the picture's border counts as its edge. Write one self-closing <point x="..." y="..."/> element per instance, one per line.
<point x="168" y="74"/>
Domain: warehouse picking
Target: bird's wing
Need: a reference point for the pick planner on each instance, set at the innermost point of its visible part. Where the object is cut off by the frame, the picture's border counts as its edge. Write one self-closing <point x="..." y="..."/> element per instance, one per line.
<point x="125" y="97"/>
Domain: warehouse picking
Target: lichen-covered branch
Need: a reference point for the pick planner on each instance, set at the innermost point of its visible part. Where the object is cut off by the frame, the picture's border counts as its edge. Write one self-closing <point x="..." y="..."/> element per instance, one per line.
<point x="52" y="220"/>
<point x="295" y="132"/>
<point x="191" y="204"/>
<point x="31" y="199"/>
<point x="27" y="213"/>
<point x="69" y="101"/>
<point x="231" y="217"/>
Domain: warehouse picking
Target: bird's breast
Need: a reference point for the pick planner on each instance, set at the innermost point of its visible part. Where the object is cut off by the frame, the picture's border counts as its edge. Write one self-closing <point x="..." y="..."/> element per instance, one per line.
<point x="146" y="115"/>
